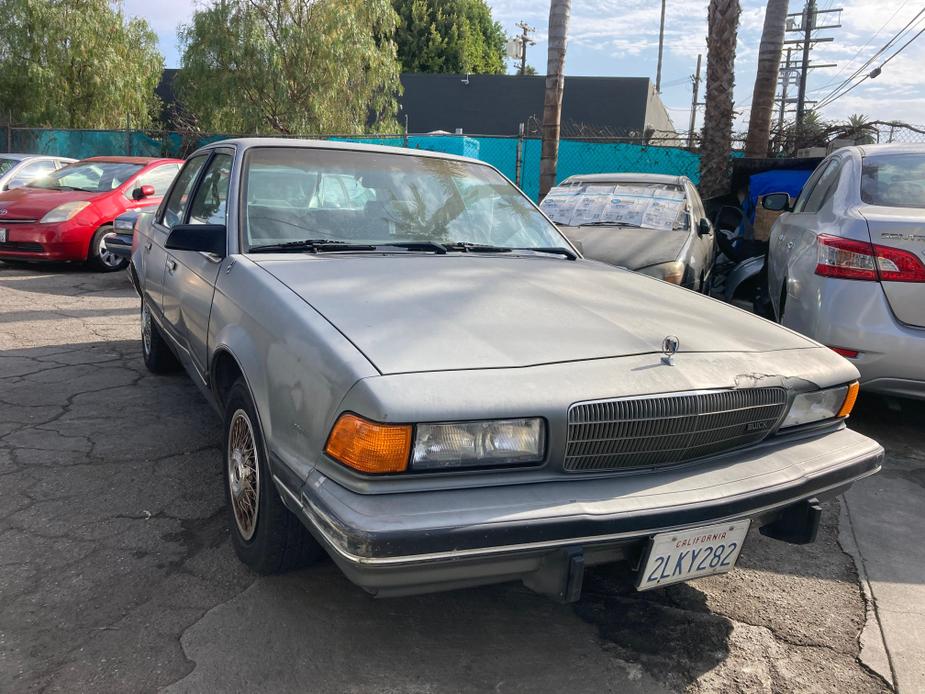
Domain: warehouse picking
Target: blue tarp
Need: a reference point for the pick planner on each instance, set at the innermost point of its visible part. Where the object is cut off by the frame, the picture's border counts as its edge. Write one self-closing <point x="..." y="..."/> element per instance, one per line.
<point x="790" y="181"/>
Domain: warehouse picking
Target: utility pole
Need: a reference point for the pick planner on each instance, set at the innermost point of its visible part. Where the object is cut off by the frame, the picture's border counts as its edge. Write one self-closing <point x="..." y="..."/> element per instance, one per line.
<point x="661" y="46"/>
<point x="696" y="80"/>
<point x="785" y="81"/>
<point x="524" y="40"/>
<point x="809" y="20"/>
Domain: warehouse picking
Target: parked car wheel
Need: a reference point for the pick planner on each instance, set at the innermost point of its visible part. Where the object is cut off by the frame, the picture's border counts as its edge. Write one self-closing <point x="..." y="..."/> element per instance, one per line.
<point x="265" y="534"/>
<point x="101" y="258"/>
<point x="158" y="356"/>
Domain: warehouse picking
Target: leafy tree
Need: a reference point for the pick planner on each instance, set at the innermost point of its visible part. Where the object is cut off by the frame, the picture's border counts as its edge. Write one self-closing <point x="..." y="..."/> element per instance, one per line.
<point x="290" y="66"/>
<point x="77" y="64"/>
<point x="456" y="36"/>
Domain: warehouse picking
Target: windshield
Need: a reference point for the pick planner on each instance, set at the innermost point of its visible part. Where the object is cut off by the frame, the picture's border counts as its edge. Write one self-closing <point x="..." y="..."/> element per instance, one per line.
<point x="6" y="165"/>
<point x="93" y="177"/>
<point x="894" y="180"/>
<point x="292" y="194"/>
<point x="642" y="205"/>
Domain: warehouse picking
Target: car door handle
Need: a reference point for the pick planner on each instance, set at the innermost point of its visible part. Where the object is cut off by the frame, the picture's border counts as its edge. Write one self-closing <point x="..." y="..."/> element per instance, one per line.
<point x="171" y="265"/>
<point x="147" y="246"/>
<point x="789" y="245"/>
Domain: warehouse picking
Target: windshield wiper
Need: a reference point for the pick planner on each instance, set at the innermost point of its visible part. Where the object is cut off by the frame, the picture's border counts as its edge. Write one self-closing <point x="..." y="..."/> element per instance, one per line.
<point x="610" y="224"/>
<point x="328" y="245"/>
<point x="554" y="250"/>
<point x="305" y="245"/>
<point x="467" y="247"/>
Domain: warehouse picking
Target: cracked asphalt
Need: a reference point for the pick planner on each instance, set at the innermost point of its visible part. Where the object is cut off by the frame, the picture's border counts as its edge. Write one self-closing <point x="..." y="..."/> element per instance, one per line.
<point x="117" y="574"/>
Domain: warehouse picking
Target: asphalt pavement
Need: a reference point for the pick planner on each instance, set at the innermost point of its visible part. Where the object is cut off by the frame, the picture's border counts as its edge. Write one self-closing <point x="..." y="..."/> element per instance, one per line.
<point x="117" y="574"/>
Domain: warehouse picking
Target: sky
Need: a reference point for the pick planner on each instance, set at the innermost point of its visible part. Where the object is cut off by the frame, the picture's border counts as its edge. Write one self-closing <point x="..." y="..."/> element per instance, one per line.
<point x="620" y="38"/>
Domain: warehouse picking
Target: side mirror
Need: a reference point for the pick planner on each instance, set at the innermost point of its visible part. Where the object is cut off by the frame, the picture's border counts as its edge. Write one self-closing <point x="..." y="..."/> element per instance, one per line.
<point x="703" y="227"/>
<point x="142" y="192"/>
<point x="203" y="238"/>
<point x="776" y="202"/>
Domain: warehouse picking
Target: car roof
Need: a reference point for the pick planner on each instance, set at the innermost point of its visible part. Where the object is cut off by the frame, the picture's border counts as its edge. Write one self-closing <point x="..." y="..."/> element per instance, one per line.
<point x="893" y="148"/>
<point x="134" y="160"/>
<point x="250" y="142"/>
<point x="19" y="156"/>
<point x="626" y="178"/>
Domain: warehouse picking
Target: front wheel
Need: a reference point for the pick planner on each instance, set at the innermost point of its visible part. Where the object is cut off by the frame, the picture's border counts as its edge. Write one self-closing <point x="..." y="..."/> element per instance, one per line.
<point x="265" y="534"/>
<point x="101" y="258"/>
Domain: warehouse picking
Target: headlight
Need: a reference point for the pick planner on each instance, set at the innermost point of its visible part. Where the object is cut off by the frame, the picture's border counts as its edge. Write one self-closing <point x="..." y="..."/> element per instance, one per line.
<point x="64" y="212"/>
<point x="672" y="272"/>
<point x="821" y="404"/>
<point x="477" y="444"/>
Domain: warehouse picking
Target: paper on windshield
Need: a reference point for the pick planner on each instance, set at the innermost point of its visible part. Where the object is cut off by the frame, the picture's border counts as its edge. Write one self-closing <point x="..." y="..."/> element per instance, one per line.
<point x="648" y="206"/>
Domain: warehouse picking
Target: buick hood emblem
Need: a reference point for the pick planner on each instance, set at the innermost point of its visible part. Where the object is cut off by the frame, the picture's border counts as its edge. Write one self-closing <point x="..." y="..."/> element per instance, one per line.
<point x="2" y="211"/>
<point x="670" y="347"/>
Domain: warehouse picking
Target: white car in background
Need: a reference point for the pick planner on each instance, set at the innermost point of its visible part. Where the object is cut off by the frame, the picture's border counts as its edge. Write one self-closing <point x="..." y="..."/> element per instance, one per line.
<point x="16" y="170"/>
<point x="847" y="264"/>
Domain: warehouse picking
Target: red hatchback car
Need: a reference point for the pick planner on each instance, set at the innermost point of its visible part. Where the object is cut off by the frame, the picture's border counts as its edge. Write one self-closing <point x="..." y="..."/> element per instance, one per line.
<point x="67" y="215"/>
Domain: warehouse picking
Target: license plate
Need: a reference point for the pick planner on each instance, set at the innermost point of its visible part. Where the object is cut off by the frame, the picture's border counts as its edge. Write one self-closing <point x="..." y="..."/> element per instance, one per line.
<point x="686" y="554"/>
<point x="2" y="235"/>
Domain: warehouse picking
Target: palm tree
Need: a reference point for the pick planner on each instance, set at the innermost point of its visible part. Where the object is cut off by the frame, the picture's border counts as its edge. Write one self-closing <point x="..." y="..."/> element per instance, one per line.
<point x="716" y="142"/>
<point x="860" y="129"/>
<point x="555" y="85"/>
<point x="772" y="43"/>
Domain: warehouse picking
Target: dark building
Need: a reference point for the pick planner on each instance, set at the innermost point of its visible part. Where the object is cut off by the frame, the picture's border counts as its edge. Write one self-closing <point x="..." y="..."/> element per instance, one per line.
<point x="497" y="104"/>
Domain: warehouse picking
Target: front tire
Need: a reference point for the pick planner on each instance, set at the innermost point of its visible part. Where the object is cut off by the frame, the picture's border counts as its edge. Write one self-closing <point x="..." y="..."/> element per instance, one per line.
<point x="101" y="258"/>
<point x="265" y="534"/>
<point x="158" y="356"/>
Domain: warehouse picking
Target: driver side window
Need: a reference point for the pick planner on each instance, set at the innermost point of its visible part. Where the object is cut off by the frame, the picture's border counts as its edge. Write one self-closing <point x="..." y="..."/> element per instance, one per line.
<point x="175" y="209"/>
<point x="210" y="204"/>
<point x="810" y="187"/>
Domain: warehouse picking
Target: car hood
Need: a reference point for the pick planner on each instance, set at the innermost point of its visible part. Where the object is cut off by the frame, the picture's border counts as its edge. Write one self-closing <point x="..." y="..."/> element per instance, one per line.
<point x="630" y="248"/>
<point x="33" y="203"/>
<point x="433" y="313"/>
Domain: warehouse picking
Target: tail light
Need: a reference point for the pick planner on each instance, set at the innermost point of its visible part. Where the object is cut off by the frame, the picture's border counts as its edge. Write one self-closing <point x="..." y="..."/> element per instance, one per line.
<point x="859" y="260"/>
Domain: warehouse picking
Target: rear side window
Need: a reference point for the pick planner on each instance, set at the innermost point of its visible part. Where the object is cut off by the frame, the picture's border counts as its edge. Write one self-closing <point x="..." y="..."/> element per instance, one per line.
<point x="176" y="206"/>
<point x="894" y="180"/>
<point x="810" y="187"/>
<point x="823" y="189"/>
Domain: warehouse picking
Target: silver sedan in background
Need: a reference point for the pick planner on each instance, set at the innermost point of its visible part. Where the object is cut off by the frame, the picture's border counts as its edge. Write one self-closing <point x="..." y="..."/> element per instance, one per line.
<point x="651" y="223"/>
<point x="846" y="264"/>
<point x="16" y="170"/>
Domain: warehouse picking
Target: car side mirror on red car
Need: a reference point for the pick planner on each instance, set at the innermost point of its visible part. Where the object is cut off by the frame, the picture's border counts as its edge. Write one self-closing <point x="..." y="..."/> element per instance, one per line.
<point x="142" y="192"/>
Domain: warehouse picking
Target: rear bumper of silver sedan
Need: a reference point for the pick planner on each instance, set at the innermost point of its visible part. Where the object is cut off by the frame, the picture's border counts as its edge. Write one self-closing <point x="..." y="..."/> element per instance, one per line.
<point x="542" y="533"/>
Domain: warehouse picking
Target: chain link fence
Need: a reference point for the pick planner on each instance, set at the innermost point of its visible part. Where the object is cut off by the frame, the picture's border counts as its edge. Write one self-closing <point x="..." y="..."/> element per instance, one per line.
<point x="517" y="157"/>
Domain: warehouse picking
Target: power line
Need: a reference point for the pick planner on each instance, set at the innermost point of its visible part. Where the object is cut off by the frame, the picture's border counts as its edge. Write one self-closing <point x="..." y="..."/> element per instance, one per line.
<point x="873" y="73"/>
<point x="870" y="60"/>
<point x="858" y="54"/>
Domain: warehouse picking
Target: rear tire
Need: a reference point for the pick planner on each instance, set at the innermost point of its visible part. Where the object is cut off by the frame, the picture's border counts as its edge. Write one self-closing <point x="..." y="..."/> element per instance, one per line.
<point x="265" y="534"/>
<point x="158" y="356"/>
<point x="101" y="259"/>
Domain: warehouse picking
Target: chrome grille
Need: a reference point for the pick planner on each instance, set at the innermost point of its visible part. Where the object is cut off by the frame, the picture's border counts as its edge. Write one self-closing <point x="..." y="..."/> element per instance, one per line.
<point x="669" y="429"/>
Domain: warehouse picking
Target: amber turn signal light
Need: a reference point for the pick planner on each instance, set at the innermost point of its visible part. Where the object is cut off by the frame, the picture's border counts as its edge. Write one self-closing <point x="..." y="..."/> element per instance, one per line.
<point x="369" y="446"/>
<point x="850" y="398"/>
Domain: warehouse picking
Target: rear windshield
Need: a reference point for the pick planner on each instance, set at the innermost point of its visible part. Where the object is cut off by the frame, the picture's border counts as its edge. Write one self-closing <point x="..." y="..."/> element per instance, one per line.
<point x="92" y="177"/>
<point x="297" y="193"/>
<point x="894" y="180"/>
<point x="629" y="204"/>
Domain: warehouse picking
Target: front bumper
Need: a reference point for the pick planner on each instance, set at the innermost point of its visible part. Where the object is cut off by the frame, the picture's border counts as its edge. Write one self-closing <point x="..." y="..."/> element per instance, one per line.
<point x="66" y="241"/>
<point x="415" y="542"/>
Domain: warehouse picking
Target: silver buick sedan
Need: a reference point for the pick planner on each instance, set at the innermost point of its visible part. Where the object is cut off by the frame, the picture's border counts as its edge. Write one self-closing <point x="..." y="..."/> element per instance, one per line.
<point x="420" y="376"/>
<point x="847" y="263"/>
